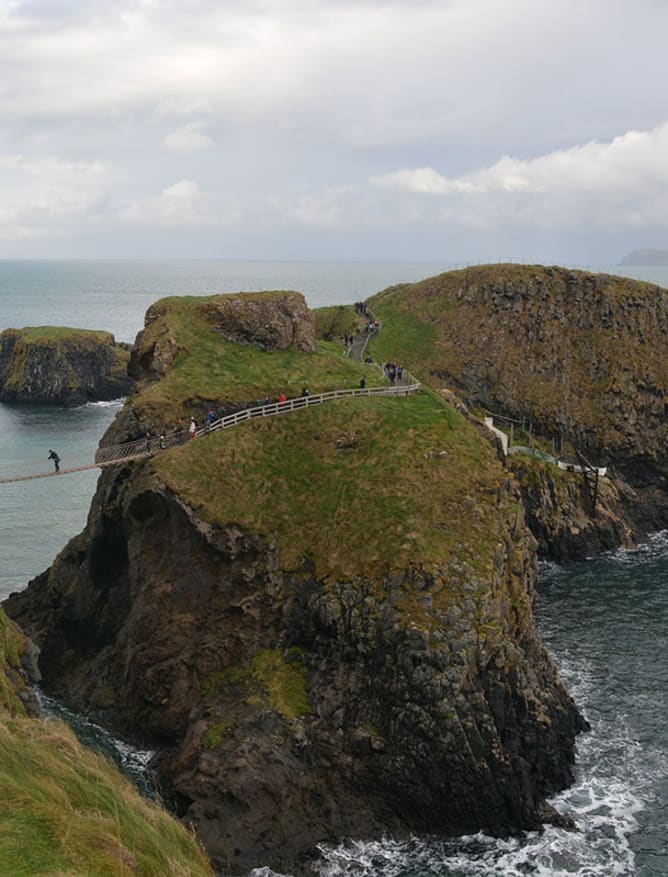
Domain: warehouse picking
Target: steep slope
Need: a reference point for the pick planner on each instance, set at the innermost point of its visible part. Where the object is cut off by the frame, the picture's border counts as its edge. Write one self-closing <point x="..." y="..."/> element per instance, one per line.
<point x="66" y="810"/>
<point x="582" y="357"/>
<point x="322" y="619"/>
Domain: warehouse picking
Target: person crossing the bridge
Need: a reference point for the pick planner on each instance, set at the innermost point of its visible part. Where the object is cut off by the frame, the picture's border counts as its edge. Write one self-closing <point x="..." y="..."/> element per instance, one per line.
<point x="56" y="459"/>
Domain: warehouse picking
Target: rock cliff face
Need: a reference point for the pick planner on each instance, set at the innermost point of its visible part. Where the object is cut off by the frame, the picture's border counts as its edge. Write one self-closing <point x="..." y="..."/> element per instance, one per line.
<point x="291" y="710"/>
<point x="268" y="320"/>
<point x="559" y="513"/>
<point x="62" y="366"/>
<point x="265" y="320"/>
<point x="583" y="357"/>
<point x="323" y="638"/>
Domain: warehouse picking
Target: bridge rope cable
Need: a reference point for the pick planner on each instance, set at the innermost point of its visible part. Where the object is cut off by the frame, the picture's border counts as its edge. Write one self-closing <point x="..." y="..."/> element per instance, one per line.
<point x="110" y="455"/>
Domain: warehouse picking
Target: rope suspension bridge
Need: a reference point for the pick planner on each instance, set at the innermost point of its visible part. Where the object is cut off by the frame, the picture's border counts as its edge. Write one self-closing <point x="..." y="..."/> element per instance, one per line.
<point x="111" y="455"/>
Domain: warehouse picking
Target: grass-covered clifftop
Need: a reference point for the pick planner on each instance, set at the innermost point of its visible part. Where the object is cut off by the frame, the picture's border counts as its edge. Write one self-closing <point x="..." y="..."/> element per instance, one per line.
<point x="356" y="485"/>
<point x="584" y="355"/>
<point x="322" y="618"/>
<point x="61" y="365"/>
<point x="198" y="365"/>
<point x="65" y="810"/>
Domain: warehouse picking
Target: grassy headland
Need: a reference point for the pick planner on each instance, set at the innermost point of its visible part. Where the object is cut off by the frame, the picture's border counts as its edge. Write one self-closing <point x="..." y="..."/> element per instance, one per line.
<point x="358" y="485"/>
<point x="578" y="353"/>
<point x="205" y="368"/>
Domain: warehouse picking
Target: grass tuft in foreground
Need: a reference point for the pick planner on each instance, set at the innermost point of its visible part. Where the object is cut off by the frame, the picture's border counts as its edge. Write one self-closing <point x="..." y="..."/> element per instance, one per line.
<point x="66" y="811"/>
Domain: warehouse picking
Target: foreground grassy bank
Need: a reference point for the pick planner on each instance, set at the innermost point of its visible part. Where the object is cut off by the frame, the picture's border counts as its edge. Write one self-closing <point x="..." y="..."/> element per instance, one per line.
<point x="67" y="812"/>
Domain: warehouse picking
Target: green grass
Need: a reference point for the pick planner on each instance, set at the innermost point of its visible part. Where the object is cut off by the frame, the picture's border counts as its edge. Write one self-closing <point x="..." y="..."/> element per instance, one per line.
<point x="385" y="502"/>
<point x="62" y="333"/>
<point x="207" y="369"/>
<point x="12" y="643"/>
<point x="284" y="682"/>
<point x="65" y="811"/>
<point x="404" y="337"/>
<point x="335" y="321"/>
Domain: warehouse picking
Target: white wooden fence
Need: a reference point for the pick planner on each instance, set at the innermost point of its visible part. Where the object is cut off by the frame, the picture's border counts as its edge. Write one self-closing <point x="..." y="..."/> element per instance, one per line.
<point x="153" y="444"/>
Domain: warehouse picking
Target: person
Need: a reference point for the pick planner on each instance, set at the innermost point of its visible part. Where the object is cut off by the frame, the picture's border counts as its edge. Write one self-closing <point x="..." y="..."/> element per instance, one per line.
<point x="363" y="384"/>
<point x="267" y="401"/>
<point x="305" y="392"/>
<point x="210" y="417"/>
<point x="179" y="431"/>
<point x="192" y="429"/>
<point x="56" y="459"/>
<point x="281" y="397"/>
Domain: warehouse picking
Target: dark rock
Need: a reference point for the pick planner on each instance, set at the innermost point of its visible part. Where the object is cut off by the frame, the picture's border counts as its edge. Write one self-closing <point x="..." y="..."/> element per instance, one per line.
<point x="62" y="366"/>
<point x="413" y="721"/>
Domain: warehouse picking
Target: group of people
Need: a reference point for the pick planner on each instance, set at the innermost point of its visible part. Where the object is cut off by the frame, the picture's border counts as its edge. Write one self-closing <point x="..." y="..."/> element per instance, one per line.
<point x="393" y="372"/>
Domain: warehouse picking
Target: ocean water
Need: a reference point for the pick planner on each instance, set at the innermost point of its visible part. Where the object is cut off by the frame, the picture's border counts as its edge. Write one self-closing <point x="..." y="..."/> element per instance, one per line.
<point x="605" y="621"/>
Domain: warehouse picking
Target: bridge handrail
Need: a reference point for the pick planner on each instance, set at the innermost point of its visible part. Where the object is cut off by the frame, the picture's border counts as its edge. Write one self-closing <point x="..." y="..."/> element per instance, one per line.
<point x="153" y="444"/>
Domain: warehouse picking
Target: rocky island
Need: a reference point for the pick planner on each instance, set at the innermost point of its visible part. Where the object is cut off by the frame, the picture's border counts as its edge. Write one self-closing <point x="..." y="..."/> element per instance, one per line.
<point x="61" y="365"/>
<point x="646" y="257"/>
<point x="574" y="361"/>
<point x="323" y="620"/>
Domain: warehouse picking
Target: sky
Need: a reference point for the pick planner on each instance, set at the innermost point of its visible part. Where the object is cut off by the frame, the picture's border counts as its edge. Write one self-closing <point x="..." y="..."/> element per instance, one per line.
<point x="450" y="130"/>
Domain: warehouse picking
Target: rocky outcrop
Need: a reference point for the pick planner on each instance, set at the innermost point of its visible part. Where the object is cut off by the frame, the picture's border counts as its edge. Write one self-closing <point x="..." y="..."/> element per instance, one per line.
<point x="18" y="671"/>
<point x="646" y="257"/>
<point x="582" y="358"/>
<point x="322" y="621"/>
<point x="290" y="709"/>
<point x="267" y="320"/>
<point x="560" y="512"/>
<point x="61" y="366"/>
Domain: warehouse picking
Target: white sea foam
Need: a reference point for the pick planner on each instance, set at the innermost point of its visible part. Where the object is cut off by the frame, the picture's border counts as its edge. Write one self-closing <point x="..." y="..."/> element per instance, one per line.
<point x="613" y="784"/>
<point x="111" y="403"/>
<point x="133" y="760"/>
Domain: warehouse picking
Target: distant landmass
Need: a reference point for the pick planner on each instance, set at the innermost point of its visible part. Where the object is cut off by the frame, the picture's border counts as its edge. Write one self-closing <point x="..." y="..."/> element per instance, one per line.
<point x="646" y="257"/>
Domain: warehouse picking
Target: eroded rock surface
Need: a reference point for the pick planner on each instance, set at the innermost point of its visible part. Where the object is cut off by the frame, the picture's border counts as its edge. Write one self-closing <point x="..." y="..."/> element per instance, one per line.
<point x="289" y="710"/>
<point x="268" y="320"/>
<point x="62" y="366"/>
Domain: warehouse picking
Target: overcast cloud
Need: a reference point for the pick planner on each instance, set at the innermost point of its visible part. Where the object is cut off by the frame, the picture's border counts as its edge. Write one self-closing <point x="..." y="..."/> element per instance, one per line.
<point x="456" y="130"/>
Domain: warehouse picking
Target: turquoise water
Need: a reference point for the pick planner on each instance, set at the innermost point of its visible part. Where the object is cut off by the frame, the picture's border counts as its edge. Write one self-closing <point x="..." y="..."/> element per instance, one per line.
<point x="605" y="621"/>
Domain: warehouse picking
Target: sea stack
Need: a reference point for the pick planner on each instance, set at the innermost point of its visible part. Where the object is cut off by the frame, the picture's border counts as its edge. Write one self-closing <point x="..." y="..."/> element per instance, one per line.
<point x="323" y="638"/>
<point x="61" y="365"/>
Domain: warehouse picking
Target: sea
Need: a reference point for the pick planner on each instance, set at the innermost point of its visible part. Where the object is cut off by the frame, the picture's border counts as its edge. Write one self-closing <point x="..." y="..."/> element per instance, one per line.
<point x="604" y="620"/>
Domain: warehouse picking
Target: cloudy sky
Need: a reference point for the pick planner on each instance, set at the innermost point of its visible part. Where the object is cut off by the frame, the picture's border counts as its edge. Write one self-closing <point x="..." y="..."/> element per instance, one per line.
<point x="453" y="130"/>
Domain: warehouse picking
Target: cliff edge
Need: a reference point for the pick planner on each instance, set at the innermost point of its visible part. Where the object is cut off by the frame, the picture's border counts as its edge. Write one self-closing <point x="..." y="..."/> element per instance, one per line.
<point x="575" y="361"/>
<point x="323" y="620"/>
<point x="62" y="366"/>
